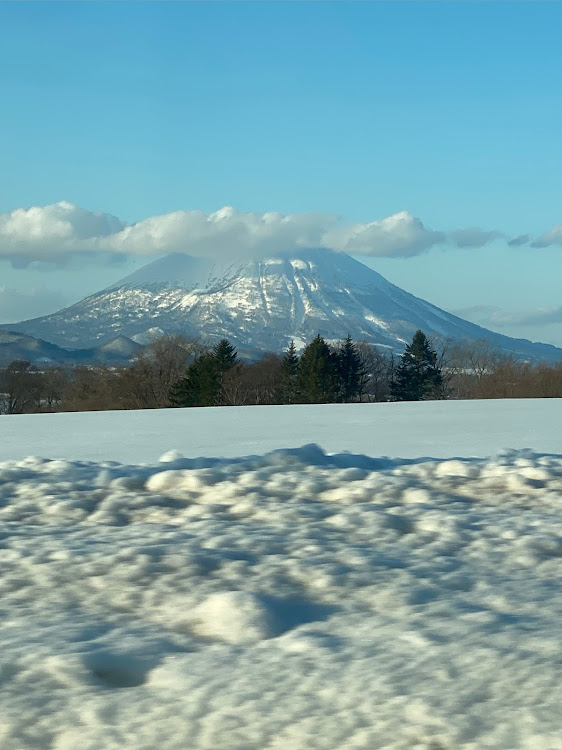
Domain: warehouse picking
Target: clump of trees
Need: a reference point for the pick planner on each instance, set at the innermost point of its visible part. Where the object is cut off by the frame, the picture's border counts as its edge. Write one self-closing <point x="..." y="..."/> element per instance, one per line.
<point x="322" y="374"/>
<point x="325" y="374"/>
<point x="174" y="371"/>
<point x="25" y="389"/>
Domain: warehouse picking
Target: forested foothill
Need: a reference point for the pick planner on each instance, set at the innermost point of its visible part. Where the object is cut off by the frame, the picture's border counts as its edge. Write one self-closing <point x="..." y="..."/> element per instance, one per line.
<point x="173" y="371"/>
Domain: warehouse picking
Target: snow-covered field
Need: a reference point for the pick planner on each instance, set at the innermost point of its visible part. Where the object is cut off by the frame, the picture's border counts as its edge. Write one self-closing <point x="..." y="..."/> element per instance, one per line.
<point x="289" y="599"/>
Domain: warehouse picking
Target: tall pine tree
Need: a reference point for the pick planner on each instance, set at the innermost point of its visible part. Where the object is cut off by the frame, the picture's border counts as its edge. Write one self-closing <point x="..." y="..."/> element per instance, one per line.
<point x="417" y="377"/>
<point x="350" y="371"/>
<point x="289" y="366"/>
<point x="317" y="377"/>
<point x="225" y="355"/>
<point x="202" y="384"/>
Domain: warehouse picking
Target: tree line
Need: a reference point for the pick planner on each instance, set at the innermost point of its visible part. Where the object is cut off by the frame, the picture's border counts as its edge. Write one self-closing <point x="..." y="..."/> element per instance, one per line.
<point x="321" y="374"/>
<point x="173" y="371"/>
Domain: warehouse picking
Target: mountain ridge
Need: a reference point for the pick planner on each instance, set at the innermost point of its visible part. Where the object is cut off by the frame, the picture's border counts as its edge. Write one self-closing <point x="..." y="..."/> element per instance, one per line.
<point x="19" y="346"/>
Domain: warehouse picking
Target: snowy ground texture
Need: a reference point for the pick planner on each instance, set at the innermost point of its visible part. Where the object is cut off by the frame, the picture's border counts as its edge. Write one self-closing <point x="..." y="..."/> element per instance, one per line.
<point x="291" y="600"/>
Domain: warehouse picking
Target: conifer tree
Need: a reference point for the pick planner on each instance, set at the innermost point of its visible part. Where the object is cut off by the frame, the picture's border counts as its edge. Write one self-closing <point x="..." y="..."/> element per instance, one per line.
<point x="350" y="370"/>
<point x="225" y="354"/>
<point x="226" y="357"/>
<point x="289" y="366"/>
<point x="202" y="384"/>
<point x="317" y="379"/>
<point x="417" y="377"/>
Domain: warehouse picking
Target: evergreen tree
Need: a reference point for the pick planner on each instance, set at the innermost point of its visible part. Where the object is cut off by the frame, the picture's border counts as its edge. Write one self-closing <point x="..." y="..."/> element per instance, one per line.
<point x="317" y="379"/>
<point x="289" y="366"/>
<point x="350" y="370"/>
<point x="417" y="377"/>
<point x="202" y="384"/>
<point x="225" y="355"/>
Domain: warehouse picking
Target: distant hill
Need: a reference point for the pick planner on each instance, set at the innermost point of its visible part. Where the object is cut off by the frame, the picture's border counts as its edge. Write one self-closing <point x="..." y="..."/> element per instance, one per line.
<point x="13" y="346"/>
<point x="262" y="305"/>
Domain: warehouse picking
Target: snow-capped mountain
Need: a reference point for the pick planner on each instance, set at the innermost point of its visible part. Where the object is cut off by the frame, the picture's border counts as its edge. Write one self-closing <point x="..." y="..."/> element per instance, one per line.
<point x="261" y="305"/>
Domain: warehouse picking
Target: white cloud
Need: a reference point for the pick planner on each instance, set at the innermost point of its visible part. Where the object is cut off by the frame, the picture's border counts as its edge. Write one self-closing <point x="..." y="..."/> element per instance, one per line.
<point x="61" y="231"/>
<point x="56" y="232"/>
<point x="51" y="233"/>
<point x="399" y="235"/>
<point x="224" y="232"/>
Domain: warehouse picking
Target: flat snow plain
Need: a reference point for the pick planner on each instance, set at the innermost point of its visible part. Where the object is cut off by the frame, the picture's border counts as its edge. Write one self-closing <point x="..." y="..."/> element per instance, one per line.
<point x="246" y="592"/>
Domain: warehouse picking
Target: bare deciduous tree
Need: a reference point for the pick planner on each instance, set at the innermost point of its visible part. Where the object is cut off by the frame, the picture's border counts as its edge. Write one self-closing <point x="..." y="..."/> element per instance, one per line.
<point x="254" y="383"/>
<point x="54" y="381"/>
<point x="147" y="383"/>
<point x="378" y="372"/>
<point x="466" y="363"/>
<point x="19" y="388"/>
<point x="90" y="389"/>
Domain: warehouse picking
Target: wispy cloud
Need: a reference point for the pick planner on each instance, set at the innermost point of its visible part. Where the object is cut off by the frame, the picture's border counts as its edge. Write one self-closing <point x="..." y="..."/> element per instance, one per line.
<point x="522" y="239"/>
<point x="61" y="231"/>
<point x="494" y="317"/>
<point x="16" y="305"/>
<point x="552" y="237"/>
<point x="544" y="317"/>
<point x="473" y="237"/>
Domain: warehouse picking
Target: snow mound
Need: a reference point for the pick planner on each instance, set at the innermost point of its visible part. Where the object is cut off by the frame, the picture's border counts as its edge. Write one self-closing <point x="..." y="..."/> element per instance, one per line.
<point x="234" y="617"/>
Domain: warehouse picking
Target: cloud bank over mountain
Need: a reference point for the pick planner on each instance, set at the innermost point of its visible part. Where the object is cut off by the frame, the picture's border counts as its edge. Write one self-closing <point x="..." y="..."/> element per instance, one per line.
<point x="53" y="233"/>
<point x="63" y="230"/>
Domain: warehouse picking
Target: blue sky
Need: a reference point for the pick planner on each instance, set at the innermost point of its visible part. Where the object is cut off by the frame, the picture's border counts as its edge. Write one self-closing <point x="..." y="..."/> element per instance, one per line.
<point x="451" y="112"/>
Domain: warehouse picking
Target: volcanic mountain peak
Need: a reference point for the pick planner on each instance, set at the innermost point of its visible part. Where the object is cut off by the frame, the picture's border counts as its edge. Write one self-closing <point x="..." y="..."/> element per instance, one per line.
<point x="261" y="305"/>
<point x="179" y="271"/>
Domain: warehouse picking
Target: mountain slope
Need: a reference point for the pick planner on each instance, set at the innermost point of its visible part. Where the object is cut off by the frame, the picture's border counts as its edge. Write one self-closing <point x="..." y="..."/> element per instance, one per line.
<point x="262" y="305"/>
